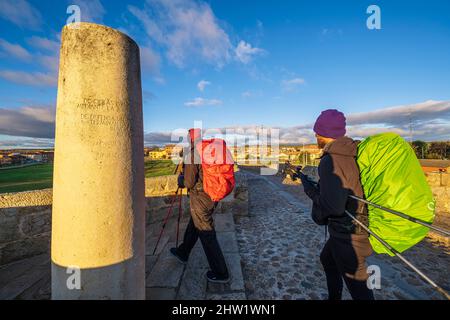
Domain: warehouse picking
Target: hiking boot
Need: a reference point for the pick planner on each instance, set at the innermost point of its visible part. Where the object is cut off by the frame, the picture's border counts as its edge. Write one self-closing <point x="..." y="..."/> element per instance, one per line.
<point x="214" y="278"/>
<point x="176" y="254"/>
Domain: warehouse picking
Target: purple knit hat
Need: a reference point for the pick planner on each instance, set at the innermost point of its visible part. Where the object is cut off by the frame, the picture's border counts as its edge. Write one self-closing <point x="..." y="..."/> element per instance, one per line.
<point x="330" y="124"/>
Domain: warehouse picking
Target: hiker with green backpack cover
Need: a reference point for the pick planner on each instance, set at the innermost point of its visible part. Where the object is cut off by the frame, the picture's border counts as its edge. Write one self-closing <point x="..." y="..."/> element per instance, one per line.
<point x="390" y="174"/>
<point x="344" y="254"/>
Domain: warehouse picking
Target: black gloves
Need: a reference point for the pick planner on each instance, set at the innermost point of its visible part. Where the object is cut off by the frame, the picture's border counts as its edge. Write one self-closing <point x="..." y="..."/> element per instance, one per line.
<point x="309" y="187"/>
<point x="181" y="181"/>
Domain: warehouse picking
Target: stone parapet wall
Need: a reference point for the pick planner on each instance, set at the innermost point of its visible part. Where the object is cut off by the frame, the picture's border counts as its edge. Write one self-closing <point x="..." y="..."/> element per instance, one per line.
<point x="25" y="224"/>
<point x="160" y="186"/>
<point x="440" y="186"/>
<point x="26" y="199"/>
<point x="25" y="217"/>
<point x="24" y="232"/>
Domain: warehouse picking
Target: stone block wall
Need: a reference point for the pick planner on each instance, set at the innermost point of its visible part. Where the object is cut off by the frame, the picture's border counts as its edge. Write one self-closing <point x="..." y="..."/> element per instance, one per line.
<point x="440" y="186"/>
<point x="237" y="202"/>
<point x="25" y="224"/>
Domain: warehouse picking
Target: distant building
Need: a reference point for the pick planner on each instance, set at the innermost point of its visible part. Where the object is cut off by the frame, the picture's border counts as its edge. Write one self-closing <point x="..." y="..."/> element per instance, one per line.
<point x="16" y="158"/>
<point x="432" y="165"/>
<point x="35" y="156"/>
<point x="5" y="160"/>
<point x="48" y="156"/>
<point x="157" y="154"/>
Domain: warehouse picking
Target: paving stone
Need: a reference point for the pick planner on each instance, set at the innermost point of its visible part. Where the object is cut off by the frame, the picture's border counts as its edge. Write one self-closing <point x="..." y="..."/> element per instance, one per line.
<point x="41" y="290"/>
<point x="224" y="222"/>
<point x="20" y="276"/>
<point x="151" y="243"/>
<point x="226" y="296"/>
<point x="234" y="266"/>
<point x="160" y="293"/>
<point x="228" y="242"/>
<point x="150" y="262"/>
<point x="193" y="284"/>
<point x="236" y="279"/>
<point x="167" y="271"/>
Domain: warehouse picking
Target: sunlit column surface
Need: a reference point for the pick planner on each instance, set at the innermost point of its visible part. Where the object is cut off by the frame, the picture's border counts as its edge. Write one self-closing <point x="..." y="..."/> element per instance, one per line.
<point x="98" y="222"/>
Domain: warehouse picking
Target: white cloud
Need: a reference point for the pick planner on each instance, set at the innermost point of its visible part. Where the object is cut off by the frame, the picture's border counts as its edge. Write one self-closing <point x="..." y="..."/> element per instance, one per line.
<point x="185" y="29"/>
<point x="91" y="10"/>
<point x="44" y="43"/>
<point x="292" y="84"/>
<point x="202" y="85"/>
<point x="30" y="78"/>
<point x="332" y="32"/>
<point x="21" y="13"/>
<point x="245" y="52"/>
<point x="190" y="33"/>
<point x="44" y="114"/>
<point x="28" y="121"/>
<point x="150" y="60"/>
<point x="157" y="138"/>
<point x="401" y="115"/>
<point x="14" y="50"/>
<point x="50" y="63"/>
<point x="12" y="142"/>
<point x="252" y="94"/>
<point x="201" y="102"/>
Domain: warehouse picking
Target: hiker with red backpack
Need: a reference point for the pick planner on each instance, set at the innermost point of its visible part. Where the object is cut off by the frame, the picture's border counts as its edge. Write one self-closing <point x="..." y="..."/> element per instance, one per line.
<point x="208" y="174"/>
<point x="343" y="257"/>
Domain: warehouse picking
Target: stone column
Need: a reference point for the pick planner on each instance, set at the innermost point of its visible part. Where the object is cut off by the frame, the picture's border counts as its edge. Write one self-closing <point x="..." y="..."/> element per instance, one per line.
<point x="98" y="215"/>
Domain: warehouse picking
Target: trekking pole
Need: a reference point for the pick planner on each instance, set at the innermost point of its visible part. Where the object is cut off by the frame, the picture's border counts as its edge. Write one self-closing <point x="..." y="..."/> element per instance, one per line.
<point x="404" y="216"/>
<point x="397" y="254"/>
<point x="166" y="219"/>
<point x="180" y="214"/>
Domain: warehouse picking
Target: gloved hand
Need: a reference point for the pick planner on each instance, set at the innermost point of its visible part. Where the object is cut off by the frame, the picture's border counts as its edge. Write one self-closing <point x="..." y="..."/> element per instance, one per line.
<point x="303" y="177"/>
<point x="308" y="186"/>
<point x="181" y="181"/>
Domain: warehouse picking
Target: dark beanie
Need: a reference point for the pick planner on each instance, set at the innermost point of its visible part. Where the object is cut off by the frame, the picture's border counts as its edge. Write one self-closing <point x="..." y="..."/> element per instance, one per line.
<point x="330" y="124"/>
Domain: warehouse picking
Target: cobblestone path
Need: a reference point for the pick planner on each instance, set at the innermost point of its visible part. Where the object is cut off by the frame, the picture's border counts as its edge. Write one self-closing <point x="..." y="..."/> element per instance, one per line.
<point x="280" y="245"/>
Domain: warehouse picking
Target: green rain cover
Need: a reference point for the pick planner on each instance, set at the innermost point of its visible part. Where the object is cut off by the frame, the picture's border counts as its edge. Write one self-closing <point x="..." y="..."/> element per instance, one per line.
<point x="392" y="177"/>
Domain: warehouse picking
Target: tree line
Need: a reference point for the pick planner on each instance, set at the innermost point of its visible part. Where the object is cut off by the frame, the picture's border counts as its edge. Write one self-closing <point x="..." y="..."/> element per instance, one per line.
<point x="431" y="150"/>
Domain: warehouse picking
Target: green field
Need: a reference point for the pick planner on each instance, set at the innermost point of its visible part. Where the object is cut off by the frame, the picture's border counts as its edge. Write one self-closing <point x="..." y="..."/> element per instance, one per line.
<point x="35" y="177"/>
<point x="40" y="176"/>
<point x="155" y="168"/>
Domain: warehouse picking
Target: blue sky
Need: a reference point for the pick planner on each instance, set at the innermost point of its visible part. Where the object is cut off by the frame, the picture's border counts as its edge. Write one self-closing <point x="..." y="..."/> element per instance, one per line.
<point x="244" y="63"/>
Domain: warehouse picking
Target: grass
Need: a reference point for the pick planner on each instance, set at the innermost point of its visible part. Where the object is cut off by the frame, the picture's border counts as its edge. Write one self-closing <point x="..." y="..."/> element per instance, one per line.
<point x="156" y="168"/>
<point x="40" y="176"/>
<point x="35" y="177"/>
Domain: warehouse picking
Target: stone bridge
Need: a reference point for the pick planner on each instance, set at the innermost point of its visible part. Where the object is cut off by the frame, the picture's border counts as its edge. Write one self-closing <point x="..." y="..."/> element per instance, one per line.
<point x="270" y="243"/>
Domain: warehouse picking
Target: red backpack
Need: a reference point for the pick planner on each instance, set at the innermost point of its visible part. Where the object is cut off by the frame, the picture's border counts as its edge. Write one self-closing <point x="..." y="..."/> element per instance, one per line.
<point x="218" y="168"/>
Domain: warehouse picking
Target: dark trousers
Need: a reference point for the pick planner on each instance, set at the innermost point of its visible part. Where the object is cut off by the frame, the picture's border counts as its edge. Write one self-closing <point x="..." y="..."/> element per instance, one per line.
<point x="344" y="260"/>
<point x="201" y="226"/>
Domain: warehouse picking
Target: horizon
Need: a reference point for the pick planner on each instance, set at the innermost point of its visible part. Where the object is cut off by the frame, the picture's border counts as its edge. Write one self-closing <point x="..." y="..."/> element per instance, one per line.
<point x="271" y="64"/>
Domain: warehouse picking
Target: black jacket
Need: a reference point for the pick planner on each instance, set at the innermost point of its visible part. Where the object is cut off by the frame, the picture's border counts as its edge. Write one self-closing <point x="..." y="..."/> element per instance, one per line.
<point x="339" y="178"/>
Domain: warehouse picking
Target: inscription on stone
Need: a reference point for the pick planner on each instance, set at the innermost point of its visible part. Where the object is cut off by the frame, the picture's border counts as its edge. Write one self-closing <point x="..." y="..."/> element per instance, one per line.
<point x="102" y="112"/>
